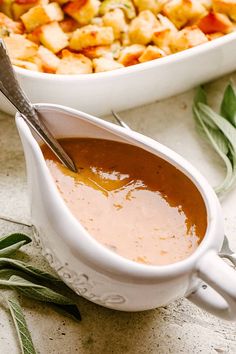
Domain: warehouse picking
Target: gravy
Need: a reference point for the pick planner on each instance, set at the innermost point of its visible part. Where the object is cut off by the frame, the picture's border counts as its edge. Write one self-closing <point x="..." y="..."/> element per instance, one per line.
<point x="131" y="201"/>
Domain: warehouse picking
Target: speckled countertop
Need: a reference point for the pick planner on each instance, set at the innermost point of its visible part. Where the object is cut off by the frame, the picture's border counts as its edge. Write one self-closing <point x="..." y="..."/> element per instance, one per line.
<point x="178" y="328"/>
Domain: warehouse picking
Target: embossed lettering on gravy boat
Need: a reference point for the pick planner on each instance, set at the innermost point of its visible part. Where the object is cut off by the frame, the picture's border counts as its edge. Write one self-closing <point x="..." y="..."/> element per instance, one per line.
<point x="99" y="274"/>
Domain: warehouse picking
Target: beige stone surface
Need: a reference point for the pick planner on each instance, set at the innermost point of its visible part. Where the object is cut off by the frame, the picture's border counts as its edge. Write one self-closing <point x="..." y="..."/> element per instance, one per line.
<point x="178" y="328"/>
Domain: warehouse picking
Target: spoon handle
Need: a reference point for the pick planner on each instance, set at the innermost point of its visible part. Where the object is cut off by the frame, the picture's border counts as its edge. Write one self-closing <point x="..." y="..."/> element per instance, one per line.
<point x="11" y="89"/>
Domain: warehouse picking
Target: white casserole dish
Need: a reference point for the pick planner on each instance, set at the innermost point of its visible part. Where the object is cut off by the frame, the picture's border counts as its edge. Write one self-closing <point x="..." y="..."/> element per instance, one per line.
<point x="132" y="86"/>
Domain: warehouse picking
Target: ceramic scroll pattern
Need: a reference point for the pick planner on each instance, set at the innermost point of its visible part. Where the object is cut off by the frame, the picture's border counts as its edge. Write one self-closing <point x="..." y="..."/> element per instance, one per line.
<point x="81" y="283"/>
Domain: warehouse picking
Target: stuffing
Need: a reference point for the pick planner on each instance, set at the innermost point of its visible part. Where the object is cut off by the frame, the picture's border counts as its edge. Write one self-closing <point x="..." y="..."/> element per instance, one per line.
<point x="130" y="55"/>
<point x="40" y="15"/>
<point x="19" y="7"/>
<point x="153" y="5"/>
<point x="227" y="7"/>
<point x="82" y="10"/>
<point x="215" y="35"/>
<point x="50" y="61"/>
<point x="162" y="38"/>
<point x="104" y="64"/>
<point x="20" y="47"/>
<point x="96" y="52"/>
<point x="183" y="12"/>
<point x="72" y="63"/>
<point x="206" y="3"/>
<point x="116" y="20"/>
<point x="91" y="35"/>
<point x="10" y="26"/>
<point x="142" y="27"/>
<point x="85" y="36"/>
<point x="126" y="5"/>
<point x="150" y="53"/>
<point x="68" y="25"/>
<point x="53" y="37"/>
<point x="215" y="22"/>
<point x="26" y="64"/>
<point x="187" y="38"/>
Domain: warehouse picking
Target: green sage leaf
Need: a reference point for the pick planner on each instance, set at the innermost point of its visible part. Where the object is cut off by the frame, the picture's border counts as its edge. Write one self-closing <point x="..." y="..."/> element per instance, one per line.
<point x="44" y="294"/>
<point x="228" y="105"/>
<point x="220" y="144"/>
<point x="225" y="127"/>
<point x="200" y="97"/>
<point x="23" y="332"/>
<point x="29" y="270"/>
<point x="11" y="243"/>
<point x="35" y="291"/>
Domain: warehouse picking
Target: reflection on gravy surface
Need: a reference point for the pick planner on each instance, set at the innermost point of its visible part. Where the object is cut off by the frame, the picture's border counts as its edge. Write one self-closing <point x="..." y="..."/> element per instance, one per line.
<point x="130" y="200"/>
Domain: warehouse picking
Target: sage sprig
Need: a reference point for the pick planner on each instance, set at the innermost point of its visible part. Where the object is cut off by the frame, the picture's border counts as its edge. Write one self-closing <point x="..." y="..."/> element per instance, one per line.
<point x="31" y="282"/>
<point x="26" y="343"/>
<point x="11" y="243"/>
<point x="220" y="131"/>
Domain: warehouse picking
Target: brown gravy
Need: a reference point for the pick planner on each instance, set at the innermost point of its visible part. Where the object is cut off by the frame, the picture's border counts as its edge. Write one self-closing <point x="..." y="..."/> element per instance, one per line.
<point x="130" y="200"/>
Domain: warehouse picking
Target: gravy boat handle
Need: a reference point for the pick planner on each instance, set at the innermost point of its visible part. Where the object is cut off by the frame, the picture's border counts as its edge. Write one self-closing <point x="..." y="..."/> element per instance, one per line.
<point x="217" y="294"/>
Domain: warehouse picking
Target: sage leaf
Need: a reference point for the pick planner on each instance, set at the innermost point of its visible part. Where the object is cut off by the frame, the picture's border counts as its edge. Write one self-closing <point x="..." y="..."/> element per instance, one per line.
<point x="200" y="97"/>
<point x="228" y="105"/>
<point x="219" y="143"/>
<point x="36" y="291"/>
<point x="11" y="243"/>
<point x="71" y="311"/>
<point x="23" y="333"/>
<point x="44" y="294"/>
<point x="225" y="127"/>
<point x="29" y="270"/>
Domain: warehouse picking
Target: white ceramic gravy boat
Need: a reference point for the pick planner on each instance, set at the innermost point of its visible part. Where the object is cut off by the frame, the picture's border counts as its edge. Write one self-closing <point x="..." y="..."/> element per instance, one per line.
<point x="94" y="271"/>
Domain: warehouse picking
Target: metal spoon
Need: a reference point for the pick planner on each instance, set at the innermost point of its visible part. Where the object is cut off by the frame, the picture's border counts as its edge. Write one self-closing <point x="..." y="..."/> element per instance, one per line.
<point x="11" y="89"/>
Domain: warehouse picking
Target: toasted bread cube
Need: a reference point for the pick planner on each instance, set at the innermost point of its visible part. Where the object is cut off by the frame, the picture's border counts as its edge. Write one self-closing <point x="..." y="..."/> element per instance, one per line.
<point x="227" y="7"/>
<point x="72" y="63"/>
<point x="151" y="53"/>
<point x="165" y="23"/>
<point x="142" y="27"/>
<point x="215" y="22"/>
<point x="130" y="55"/>
<point x="104" y="64"/>
<point x="34" y="36"/>
<point x="52" y="37"/>
<point x="116" y="20"/>
<point x="6" y="7"/>
<point x="125" y="5"/>
<point x="26" y="65"/>
<point x="152" y="5"/>
<point x="215" y="35"/>
<point x="187" y="38"/>
<point x="162" y="38"/>
<point x="69" y="25"/>
<point x="96" y="52"/>
<point x="19" y="47"/>
<point x="9" y="25"/>
<point x="182" y="12"/>
<point x="19" y="7"/>
<point x="91" y="35"/>
<point x="62" y="2"/>
<point x="206" y="3"/>
<point x="54" y="11"/>
<point x="40" y="15"/>
<point x="82" y="10"/>
<point x="50" y="61"/>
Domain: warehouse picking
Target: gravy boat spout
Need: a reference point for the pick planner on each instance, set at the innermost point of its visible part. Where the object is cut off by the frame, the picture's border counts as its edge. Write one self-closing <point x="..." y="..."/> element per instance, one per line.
<point x="97" y="273"/>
